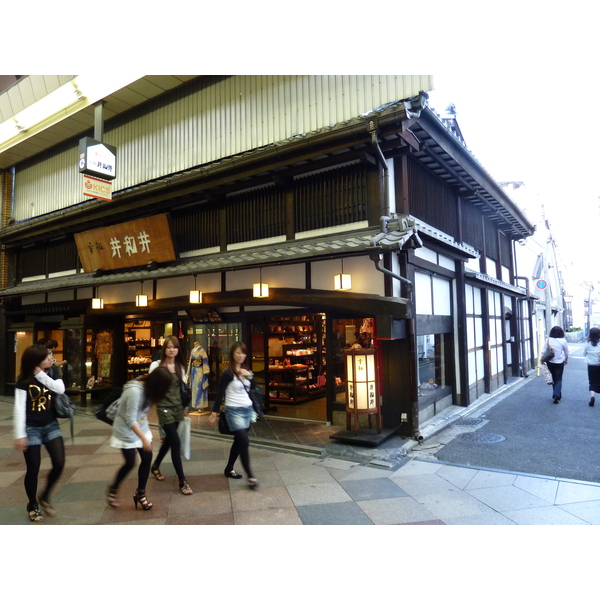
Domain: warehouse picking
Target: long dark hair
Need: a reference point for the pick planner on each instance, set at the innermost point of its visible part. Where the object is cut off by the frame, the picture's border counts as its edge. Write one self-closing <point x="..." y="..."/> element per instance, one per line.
<point x="179" y="358"/>
<point x="235" y="346"/>
<point x="156" y="385"/>
<point x="32" y="357"/>
<point x="556" y="332"/>
<point x="594" y="336"/>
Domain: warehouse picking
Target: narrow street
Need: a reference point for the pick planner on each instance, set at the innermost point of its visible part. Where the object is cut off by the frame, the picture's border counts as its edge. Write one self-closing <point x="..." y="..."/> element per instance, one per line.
<point x="524" y="431"/>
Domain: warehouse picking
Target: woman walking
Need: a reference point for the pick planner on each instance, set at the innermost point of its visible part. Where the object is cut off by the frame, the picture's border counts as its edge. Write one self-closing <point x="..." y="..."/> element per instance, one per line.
<point x="233" y="392"/>
<point x="591" y="351"/>
<point x="556" y="341"/>
<point x="131" y="431"/>
<point x="170" y="411"/>
<point x="35" y="424"/>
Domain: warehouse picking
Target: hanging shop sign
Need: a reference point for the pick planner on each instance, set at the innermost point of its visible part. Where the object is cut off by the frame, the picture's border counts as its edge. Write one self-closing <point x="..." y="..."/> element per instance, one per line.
<point x="130" y="244"/>
<point x="97" y="188"/>
<point x="97" y="159"/>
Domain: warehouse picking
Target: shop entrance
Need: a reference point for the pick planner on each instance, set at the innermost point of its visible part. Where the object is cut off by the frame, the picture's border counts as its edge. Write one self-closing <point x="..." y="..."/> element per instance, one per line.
<point x="299" y="361"/>
<point x="207" y="347"/>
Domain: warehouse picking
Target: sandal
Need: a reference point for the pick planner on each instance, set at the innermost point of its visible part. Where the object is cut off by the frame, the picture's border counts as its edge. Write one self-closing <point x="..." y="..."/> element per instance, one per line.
<point x="140" y="496"/>
<point x="48" y="508"/>
<point x="35" y="515"/>
<point x="184" y="488"/>
<point x="111" y="498"/>
<point x="157" y="474"/>
<point x="233" y="474"/>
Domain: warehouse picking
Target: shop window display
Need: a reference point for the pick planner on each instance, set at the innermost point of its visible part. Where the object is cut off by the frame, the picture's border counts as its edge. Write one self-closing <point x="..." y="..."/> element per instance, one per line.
<point x="432" y="359"/>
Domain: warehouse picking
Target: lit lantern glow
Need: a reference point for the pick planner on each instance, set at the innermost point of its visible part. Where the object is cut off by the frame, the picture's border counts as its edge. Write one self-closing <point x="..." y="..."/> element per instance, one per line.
<point x="362" y="387"/>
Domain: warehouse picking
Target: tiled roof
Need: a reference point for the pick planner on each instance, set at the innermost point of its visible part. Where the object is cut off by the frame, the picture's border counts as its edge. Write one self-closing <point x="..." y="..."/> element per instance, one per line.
<point x="399" y="231"/>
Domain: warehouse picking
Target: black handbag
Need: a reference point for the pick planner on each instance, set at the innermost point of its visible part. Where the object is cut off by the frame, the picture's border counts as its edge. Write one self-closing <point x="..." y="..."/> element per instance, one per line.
<point x="223" y="426"/>
<point x="548" y="355"/>
<point x="186" y="394"/>
<point x="110" y="400"/>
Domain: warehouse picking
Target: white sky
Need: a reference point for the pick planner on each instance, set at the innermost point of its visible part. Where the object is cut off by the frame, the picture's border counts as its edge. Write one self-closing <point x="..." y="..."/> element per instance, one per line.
<point x="521" y="129"/>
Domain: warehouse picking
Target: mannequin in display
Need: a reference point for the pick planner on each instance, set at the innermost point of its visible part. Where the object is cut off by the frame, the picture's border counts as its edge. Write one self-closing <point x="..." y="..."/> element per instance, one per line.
<point x="198" y="376"/>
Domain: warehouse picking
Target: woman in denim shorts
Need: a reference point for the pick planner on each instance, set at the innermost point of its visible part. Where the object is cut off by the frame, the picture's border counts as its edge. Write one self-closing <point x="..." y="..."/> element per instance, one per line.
<point x="234" y="385"/>
<point x="35" y="424"/>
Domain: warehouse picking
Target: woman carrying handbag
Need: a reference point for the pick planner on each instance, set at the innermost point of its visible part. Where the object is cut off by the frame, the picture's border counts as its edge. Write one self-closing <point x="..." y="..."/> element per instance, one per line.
<point x="35" y="424"/>
<point x="170" y="411"/>
<point x="234" y="386"/>
<point x="556" y="341"/>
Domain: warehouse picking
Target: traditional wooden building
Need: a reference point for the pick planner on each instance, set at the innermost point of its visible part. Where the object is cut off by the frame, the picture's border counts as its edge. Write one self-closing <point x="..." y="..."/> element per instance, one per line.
<point x="289" y="181"/>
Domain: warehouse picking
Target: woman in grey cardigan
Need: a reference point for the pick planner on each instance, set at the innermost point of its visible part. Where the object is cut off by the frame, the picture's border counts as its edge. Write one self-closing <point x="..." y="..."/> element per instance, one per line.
<point x="131" y="431"/>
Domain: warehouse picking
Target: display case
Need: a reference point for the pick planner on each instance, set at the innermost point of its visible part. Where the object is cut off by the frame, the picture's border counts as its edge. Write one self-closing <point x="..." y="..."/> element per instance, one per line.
<point x="288" y="383"/>
<point x="295" y="359"/>
<point x="140" y="348"/>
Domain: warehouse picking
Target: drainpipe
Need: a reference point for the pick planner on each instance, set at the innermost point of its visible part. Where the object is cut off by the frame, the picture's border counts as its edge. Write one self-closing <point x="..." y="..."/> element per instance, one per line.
<point x="372" y="128"/>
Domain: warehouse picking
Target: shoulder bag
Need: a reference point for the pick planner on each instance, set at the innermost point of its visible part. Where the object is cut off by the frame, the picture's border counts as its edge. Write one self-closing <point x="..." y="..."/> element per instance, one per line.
<point x="64" y="409"/>
<point x="548" y="355"/>
<point x="223" y="426"/>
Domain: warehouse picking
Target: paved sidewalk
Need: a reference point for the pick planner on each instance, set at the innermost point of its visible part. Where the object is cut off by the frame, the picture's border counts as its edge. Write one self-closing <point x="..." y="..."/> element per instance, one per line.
<point x="295" y="489"/>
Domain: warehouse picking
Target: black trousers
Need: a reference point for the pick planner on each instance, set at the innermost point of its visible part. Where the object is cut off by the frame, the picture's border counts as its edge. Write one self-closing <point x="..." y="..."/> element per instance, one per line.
<point x="33" y="460"/>
<point x="143" y="471"/>
<point x="172" y="442"/>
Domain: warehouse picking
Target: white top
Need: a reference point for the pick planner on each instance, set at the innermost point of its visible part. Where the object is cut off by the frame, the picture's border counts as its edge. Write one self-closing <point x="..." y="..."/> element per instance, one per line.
<point x="592" y="353"/>
<point x="560" y="347"/>
<point x="236" y="394"/>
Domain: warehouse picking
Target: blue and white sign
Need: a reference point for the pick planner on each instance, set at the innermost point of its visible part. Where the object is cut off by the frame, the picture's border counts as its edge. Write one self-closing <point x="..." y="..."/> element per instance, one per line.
<point x="97" y="158"/>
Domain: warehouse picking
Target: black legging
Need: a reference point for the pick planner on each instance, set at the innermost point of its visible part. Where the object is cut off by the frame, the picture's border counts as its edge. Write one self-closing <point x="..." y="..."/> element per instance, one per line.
<point x="173" y="442"/>
<point x="33" y="459"/>
<point x="240" y="446"/>
<point x="143" y="471"/>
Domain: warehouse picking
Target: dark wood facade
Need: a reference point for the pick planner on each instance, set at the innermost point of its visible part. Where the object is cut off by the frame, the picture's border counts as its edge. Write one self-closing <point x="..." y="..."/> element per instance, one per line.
<point x="334" y="179"/>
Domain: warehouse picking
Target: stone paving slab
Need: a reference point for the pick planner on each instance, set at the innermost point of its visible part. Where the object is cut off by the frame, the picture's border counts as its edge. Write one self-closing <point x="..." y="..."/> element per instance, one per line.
<point x="295" y="488"/>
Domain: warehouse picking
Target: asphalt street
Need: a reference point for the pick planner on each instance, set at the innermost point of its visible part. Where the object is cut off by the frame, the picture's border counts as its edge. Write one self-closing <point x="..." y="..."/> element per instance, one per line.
<point x="526" y="432"/>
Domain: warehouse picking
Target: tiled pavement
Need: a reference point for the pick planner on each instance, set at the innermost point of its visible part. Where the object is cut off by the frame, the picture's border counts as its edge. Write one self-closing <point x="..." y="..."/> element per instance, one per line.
<point x="295" y="489"/>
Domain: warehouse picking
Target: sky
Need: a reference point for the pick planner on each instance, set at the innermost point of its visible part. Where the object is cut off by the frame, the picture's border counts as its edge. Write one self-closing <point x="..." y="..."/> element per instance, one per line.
<point x="520" y="129"/>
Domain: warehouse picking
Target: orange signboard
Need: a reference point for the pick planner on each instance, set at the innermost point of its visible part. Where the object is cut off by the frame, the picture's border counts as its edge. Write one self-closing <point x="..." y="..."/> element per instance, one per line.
<point x="97" y="188"/>
<point x="125" y="245"/>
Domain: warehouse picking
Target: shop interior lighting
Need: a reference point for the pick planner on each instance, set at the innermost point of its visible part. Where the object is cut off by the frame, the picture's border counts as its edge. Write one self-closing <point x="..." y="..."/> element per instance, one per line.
<point x="195" y="294"/>
<point x="342" y="281"/>
<point x="141" y="299"/>
<point x="261" y="290"/>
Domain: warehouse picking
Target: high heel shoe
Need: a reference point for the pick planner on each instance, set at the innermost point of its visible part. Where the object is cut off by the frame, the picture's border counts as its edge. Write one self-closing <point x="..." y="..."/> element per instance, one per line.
<point x="111" y="498"/>
<point x="140" y="496"/>
<point x="157" y="474"/>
